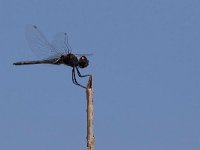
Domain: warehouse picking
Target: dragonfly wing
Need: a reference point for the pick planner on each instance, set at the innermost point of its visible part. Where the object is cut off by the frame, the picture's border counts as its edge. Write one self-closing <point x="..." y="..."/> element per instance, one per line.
<point x="60" y="42"/>
<point x="38" y="42"/>
<point x="87" y="55"/>
<point x="57" y="56"/>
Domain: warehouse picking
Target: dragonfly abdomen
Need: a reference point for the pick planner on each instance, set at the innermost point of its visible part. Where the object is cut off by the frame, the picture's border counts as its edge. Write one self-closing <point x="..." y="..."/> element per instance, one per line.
<point x="35" y="62"/>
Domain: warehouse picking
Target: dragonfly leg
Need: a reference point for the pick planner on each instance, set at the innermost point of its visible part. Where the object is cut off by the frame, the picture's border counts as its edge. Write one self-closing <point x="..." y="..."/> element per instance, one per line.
<point x="80" y="75"/>
<point x="73" y="76"/>
<point x="74" y="79"/>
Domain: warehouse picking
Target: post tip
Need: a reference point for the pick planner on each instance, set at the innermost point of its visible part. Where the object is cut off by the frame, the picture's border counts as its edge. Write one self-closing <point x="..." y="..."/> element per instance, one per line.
<point x="89" y="84"/>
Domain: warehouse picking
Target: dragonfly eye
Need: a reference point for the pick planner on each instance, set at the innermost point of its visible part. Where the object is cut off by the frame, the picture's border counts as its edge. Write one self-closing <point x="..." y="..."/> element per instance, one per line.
<point x="83" y="62"/>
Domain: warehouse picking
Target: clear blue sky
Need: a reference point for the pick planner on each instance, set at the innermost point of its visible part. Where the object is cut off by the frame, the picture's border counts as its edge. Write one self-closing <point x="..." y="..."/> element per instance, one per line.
<point x="146" y="70"/>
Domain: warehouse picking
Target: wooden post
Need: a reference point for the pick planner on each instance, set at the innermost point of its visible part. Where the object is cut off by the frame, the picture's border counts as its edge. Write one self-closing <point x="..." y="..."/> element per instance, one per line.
<point x="90" y="115"/>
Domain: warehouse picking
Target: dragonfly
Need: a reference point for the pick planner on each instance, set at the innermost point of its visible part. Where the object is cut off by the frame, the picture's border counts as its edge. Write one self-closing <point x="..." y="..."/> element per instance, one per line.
<point x="56" y="52"/>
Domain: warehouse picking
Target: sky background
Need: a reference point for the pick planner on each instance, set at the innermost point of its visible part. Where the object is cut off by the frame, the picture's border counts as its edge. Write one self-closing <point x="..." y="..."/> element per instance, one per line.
<point x="146" y="71"/>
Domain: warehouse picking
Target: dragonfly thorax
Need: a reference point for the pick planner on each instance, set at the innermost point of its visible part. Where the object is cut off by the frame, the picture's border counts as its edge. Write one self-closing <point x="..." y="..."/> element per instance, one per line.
<point x="70" y="60"/>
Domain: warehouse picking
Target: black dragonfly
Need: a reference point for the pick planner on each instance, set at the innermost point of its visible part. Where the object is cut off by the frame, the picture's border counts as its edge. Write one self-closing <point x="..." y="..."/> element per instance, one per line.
<point x="57" y="52"/>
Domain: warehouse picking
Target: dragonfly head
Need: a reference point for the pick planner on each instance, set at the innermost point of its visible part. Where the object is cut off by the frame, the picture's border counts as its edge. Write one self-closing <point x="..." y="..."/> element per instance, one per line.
<point x="83" y="62"/>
